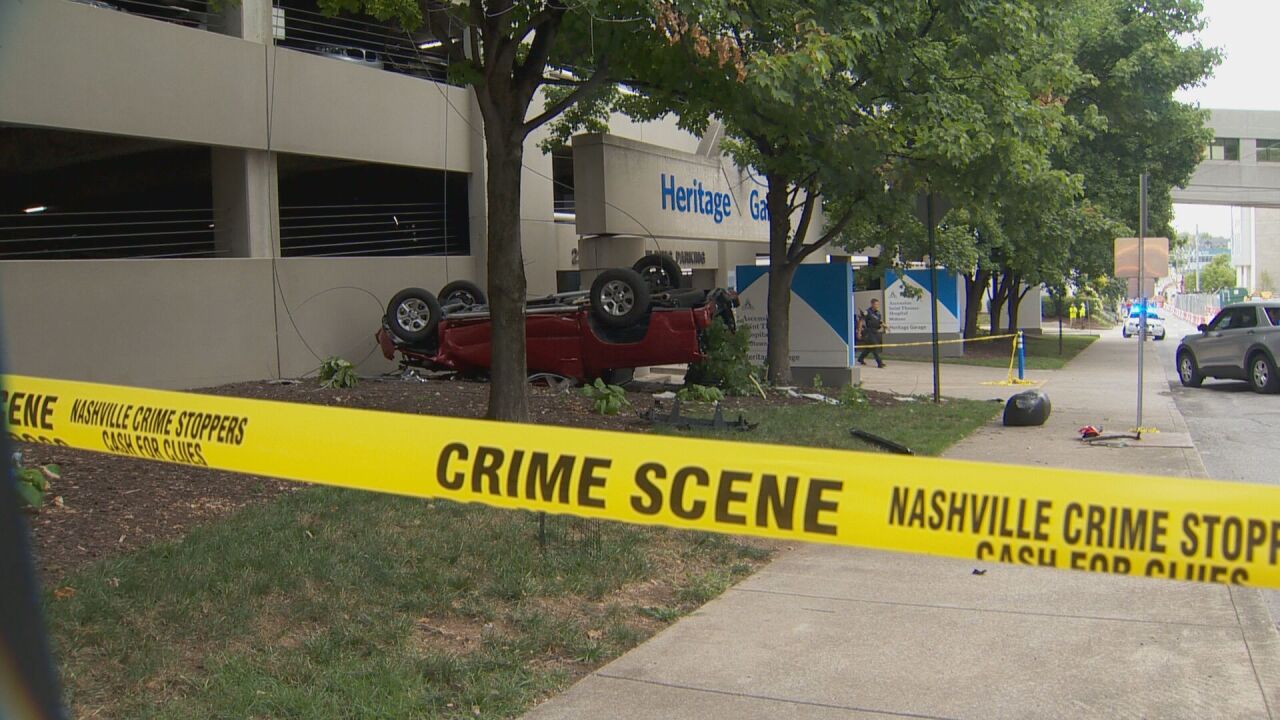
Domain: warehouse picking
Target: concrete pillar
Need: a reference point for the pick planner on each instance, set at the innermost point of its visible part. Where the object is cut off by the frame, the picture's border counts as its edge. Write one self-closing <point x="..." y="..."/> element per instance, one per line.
<point x="249" y="20"/>
<point x="601" y="252"/>
<point x="246" y="210"/>
<point x="1248" y="151"/>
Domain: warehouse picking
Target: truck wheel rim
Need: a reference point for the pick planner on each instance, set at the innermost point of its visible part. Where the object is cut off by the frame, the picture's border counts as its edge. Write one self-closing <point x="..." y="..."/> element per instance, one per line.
<point x="656" y="278"/>
<point x="617" y="298"/>
<point x="413" y="314"/>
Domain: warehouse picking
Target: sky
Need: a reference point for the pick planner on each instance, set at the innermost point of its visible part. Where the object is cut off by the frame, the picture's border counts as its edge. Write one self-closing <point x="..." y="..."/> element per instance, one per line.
<point x="1245" y="32"/>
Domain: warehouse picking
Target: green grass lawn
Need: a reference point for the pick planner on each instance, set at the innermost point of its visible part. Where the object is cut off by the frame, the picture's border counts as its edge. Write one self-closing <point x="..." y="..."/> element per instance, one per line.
<point x="926" y="428"/>
<point x="332" y="603"/>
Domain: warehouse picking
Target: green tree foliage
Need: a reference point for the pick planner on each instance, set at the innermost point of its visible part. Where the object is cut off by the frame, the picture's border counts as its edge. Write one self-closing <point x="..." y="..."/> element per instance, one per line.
<point x="1131" y="56"/>
<point x="1218" y="274"/>
<point x="507" y="51"/>
<point x="836" y="102"/>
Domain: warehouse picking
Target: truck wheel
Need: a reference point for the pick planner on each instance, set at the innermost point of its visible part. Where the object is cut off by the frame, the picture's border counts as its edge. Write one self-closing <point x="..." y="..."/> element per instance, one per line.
<point x="660" y="272"/>
<point x="1262" y="374"/>
<point x="462" y="292"/>
<point x="619" y="297"/>
<point x="1188" y="371"/>
<point x="413" y="314"/>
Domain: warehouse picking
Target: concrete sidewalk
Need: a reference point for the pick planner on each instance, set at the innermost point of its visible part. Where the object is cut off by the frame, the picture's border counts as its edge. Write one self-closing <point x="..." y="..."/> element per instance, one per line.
<point x="826" y="632"/>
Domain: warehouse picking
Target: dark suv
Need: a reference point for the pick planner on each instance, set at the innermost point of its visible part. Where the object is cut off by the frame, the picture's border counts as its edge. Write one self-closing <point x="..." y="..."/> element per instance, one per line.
<point x="1240" y="343"/>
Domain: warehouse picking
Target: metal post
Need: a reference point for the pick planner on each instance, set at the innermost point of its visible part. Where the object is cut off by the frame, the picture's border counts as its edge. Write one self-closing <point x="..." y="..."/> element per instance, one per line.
<point x="933" y="299"/>
<point x="1059" y="323"/>
<point x="1142" y="291"/>
<point x="1022" y="357"/>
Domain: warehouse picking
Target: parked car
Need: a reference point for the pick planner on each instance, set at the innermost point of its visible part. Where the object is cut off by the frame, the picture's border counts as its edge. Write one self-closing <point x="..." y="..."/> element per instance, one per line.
<point x="631" y="317"/>
<point x="351" y="54"/>
<point x="1133" y="325"/>
<point x="1240" y="343"/>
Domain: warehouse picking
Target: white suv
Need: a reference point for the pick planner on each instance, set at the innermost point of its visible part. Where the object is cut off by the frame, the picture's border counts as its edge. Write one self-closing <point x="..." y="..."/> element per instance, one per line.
<point x="1155" y="324"/>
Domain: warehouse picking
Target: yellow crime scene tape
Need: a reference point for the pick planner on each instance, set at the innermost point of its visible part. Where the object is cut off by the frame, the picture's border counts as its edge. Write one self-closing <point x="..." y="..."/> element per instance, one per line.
<point x="1200" y="530"/>
<point x="919" y="343"/>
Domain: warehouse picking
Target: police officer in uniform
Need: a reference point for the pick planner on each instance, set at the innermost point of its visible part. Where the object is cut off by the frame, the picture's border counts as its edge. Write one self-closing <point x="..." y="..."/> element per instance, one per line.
<point x="872" y="334"/>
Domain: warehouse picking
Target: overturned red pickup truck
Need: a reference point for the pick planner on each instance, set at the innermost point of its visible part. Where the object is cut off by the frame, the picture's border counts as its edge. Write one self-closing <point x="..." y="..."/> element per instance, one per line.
<point x="631" y="317"/>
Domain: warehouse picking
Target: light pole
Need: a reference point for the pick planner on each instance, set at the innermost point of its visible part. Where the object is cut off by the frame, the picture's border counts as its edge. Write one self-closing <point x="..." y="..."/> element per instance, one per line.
<point x="1142" y="292"/>
<point x="1197" y="257"/>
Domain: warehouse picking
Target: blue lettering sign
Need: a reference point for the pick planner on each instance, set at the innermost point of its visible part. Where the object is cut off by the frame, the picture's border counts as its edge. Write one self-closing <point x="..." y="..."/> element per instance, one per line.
<point x="759" y="206"/>
<point x="668" y="190"/>
<point x="694" y="198"/>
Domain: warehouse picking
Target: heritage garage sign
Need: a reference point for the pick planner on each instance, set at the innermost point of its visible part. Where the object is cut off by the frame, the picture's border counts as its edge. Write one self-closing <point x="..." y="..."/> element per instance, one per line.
<point x="625" y="187"/>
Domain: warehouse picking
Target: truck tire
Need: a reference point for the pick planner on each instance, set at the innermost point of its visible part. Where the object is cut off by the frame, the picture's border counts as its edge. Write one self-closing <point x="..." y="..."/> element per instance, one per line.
<point x="464" y="292"/>
<point x="619" y="297"/>
<point x="660" y="272"/>
<point x="1262" y="374"/>
<point x="413" y="315"/>
<point x="1188" y="371"/>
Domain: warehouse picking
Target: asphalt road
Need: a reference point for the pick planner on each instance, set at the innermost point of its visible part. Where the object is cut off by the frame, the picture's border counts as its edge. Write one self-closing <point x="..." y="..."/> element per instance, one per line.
<point x="1233" y="428"/>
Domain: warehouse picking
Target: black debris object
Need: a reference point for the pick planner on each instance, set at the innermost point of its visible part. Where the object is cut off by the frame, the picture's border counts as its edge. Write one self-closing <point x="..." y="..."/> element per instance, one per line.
<point x="1027" y="408"/>
<point x="684" y="422"/>
<point x="883" y="442"/>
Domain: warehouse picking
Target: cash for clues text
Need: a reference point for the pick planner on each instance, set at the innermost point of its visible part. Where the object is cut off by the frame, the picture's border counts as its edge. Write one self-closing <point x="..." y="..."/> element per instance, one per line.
<point x="159" y="433"/>
<point x="1195" y="541"/>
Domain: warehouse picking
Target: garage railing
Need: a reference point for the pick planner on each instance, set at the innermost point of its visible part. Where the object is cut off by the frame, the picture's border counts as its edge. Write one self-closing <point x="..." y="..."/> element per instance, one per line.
<point x="369" y="44"/>
<point x="45" y="234"/>
<point x="370" y="230"/>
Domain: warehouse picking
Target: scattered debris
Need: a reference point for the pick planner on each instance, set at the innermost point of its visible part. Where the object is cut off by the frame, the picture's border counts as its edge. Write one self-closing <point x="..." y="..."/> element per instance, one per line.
<point x="553" y="381"/>
<point x="881" y="441"/>
<point x="684" y="422"/>
<point x="976" y="571"/>
<point x="409" y="374"/>
<point x="812" y="396"/>
<point x="664" y="395"/>
<point x="1027" y="408"/>
<point x="283" y="381"/>
<point x="1090" y="431"/>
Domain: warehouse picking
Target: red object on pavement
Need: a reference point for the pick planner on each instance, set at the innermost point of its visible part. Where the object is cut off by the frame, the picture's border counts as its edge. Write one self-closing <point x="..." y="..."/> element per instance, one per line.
<point x="1089" y="431"/>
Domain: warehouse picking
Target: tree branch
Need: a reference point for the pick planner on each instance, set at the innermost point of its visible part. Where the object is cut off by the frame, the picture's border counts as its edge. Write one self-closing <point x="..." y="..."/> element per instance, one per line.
<point x="528" y="74"/>
<point x="802" y="227"/>
<point x="591" y="85"/>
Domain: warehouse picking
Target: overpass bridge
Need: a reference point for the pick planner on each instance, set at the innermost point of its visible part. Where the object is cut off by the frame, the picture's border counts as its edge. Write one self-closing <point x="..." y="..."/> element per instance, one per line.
<point x="1242" y="166"/>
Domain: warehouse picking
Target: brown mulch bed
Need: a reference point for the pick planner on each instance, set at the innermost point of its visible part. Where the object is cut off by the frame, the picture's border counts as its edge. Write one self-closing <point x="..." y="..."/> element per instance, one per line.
<point x="107" y="505"/>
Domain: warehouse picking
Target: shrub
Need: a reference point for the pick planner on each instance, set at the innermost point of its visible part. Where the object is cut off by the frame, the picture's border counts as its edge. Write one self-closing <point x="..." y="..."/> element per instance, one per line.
<point x="607" y="399"/>
<point x="338" y="373"/>
<point x="700" y="393"/>
<point x="727" y="366"/>
<point x="853" y="394"/>
<point x="33" y="480"/>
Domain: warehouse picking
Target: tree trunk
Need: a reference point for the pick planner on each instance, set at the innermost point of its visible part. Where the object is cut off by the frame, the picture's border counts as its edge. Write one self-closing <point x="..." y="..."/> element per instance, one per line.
<point x="781" y="271"/>
<point x="975" y="289"/>
<point x="508" y="372"/>
<point x="1015" y="301"/>
<point x="999" y="293"/>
